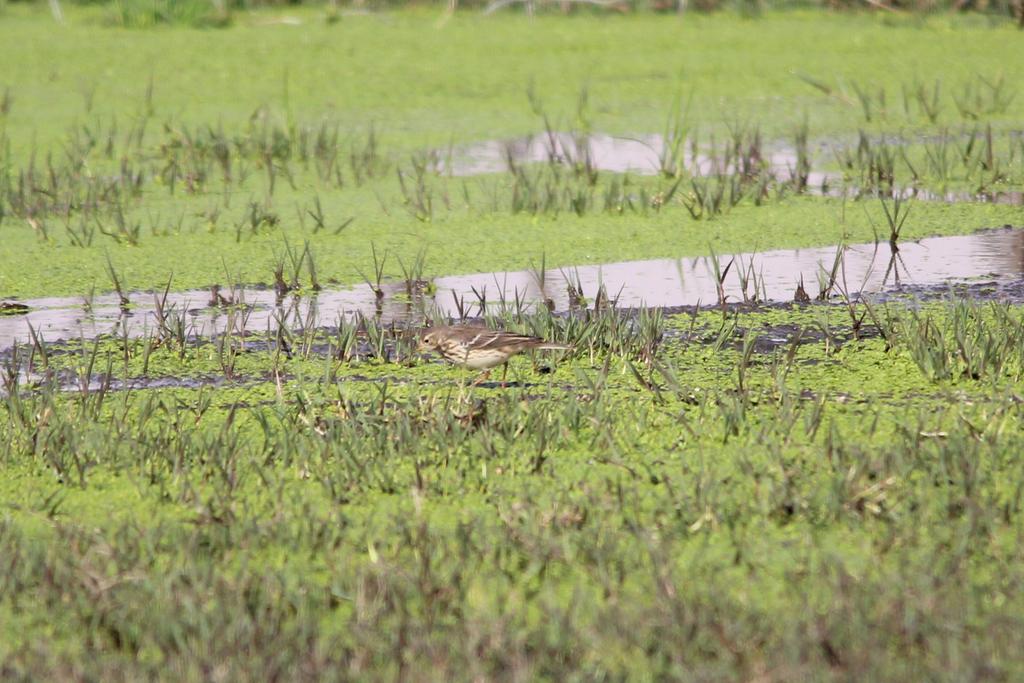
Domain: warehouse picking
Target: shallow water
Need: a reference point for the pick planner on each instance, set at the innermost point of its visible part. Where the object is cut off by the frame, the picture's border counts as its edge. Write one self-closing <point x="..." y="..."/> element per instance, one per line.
<point x="642" y="154"/>
<point x="771" y="276"/>
<point x="639" y="154"/>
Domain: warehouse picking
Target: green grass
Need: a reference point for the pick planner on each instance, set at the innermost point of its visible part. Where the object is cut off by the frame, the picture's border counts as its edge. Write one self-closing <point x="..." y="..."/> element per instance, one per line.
<point x="465" y="243"/>
<point x="155" y="99"/>
<point x="467" y="79"/>
<point x="858" y="516"/>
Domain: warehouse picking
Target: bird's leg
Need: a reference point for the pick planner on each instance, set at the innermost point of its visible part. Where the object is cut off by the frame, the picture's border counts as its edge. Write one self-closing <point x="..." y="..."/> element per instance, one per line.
<point x="504" y="374"/>
<point x="483" y="375"/>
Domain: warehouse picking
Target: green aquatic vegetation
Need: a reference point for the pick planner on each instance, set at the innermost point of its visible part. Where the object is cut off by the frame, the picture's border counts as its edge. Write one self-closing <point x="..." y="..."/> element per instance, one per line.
<point x="462" y="243"/>
<point x="892" y="349"/>
<point x="790" y="515"/>
<point x="272" y="204"/>
<point x="163" y="189"/>
<point x="966" y="340"/>
<point x="812" y="491"/>
<point x="966" y="160"/>
<point x="466" y="88"/>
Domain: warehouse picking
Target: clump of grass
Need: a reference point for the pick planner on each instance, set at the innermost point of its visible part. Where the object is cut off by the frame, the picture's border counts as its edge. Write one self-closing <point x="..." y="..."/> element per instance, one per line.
<point x="896" y="213"/>
<point x="968" y="340"/>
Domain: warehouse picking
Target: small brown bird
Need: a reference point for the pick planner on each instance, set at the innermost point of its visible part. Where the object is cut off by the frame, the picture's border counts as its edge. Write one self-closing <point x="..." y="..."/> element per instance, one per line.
<point x="480" y="348"/>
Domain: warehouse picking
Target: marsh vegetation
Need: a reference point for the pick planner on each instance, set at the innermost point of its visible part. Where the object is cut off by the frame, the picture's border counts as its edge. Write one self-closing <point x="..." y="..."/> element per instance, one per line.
<point x="822" y="484"/>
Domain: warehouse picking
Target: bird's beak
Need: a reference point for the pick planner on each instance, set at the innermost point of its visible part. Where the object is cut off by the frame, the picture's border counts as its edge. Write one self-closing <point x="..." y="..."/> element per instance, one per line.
<point x="422" y="347"/>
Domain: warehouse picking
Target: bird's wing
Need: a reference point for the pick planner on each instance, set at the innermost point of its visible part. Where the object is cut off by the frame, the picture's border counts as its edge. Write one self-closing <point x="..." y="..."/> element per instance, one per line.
<point x="487" y="339"/>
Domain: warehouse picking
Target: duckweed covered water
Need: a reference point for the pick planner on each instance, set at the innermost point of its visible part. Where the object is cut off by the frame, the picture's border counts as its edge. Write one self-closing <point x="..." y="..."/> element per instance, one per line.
<point x="810" y="488"/>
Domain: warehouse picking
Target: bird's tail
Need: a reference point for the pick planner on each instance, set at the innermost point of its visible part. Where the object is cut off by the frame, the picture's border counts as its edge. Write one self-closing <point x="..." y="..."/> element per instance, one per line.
<point x="552" y="346"/>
